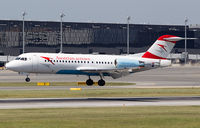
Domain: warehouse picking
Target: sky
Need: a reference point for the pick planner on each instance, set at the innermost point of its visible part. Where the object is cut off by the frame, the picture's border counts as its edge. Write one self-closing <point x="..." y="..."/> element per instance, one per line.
<point x="104" y="11"/>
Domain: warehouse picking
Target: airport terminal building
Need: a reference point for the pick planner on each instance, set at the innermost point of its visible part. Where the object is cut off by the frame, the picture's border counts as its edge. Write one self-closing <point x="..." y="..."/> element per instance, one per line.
<point x="104" y="38"/>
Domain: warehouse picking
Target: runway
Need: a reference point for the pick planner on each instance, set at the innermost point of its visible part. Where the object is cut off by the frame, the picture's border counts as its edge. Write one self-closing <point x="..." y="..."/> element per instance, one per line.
<point x="97" y="102"/>
<point x="169" y="76"/>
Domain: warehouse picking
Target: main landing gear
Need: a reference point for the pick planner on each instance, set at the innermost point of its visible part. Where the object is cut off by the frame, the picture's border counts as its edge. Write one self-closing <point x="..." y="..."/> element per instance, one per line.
<point x="90" y="82"/>
<point x="101" y="82"/>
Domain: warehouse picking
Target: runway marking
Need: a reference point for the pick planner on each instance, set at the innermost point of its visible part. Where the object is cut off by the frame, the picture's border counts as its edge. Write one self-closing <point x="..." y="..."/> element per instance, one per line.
<point x="21" y="103"/>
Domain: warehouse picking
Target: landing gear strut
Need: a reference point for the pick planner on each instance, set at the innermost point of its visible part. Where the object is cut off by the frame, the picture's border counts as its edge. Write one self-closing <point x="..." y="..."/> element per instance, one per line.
<point x="89" y="82"/>
<point x="27" y="79"/>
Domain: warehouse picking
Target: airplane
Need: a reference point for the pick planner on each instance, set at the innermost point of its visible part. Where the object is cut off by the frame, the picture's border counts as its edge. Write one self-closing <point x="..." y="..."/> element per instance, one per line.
<point x="115" y="66"/>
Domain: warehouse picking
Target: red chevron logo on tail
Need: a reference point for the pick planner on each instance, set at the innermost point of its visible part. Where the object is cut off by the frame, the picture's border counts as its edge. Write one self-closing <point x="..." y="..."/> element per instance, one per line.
<point x="162" y="46"/>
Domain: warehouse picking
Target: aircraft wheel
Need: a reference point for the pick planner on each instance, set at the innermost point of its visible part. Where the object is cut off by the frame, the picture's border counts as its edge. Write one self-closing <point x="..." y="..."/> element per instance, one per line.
<point x="27" y="79"/>
<point x="101" y="82"/>
<point x="89" y="82"/>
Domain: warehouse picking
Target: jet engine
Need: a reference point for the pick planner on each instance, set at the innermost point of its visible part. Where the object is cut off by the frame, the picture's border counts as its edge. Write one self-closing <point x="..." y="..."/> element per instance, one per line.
<point x="122" y="63"/>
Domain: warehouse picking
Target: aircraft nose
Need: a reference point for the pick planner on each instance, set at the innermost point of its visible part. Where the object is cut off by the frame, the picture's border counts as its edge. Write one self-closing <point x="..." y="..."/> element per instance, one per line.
<point x="9" y="66"/>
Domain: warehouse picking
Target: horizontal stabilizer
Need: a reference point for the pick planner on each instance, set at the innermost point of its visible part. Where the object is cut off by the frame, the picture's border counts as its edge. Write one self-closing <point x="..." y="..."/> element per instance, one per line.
<point x="173" y="39"/>
<point x="178" y="38"/>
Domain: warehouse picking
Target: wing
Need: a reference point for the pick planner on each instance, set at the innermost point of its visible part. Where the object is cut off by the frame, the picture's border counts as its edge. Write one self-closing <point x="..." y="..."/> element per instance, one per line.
<point x="114" y="73"/>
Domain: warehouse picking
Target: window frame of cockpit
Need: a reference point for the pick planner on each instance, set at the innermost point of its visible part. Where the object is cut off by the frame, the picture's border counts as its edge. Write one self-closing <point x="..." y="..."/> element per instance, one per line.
<point x="21" y="58"/>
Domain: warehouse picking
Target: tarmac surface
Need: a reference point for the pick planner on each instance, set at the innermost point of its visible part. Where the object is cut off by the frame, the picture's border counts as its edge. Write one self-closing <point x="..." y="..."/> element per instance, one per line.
<point x="97" y="102"/>
<point x="173" y="77"/>
<point x="169" y="76"/>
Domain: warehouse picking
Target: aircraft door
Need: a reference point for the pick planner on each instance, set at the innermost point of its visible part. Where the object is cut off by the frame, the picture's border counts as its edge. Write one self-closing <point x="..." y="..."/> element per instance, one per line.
<point x="34" y="63"/>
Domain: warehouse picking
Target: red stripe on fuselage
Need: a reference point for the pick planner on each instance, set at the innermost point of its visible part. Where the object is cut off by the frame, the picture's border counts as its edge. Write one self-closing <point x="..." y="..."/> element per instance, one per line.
<point x="151" y="56"/>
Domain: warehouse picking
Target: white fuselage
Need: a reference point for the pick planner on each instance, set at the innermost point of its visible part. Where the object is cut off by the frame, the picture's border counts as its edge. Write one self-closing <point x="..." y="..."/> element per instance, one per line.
<point x="81" y="64"/>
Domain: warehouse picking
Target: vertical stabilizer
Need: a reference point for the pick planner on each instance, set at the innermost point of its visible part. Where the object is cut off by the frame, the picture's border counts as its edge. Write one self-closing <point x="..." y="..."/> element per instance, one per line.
<point x="162" y="47"/>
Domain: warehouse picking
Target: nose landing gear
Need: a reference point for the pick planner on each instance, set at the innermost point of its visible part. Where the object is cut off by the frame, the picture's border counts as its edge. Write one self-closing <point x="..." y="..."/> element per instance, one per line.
<point x="27" y="79"/>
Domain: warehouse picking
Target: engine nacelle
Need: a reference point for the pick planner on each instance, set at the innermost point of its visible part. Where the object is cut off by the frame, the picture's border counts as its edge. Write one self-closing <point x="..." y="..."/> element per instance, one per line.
<point x="165" y="63"/>
<point x="156" y="63"/>
<point x="122" y="63"/>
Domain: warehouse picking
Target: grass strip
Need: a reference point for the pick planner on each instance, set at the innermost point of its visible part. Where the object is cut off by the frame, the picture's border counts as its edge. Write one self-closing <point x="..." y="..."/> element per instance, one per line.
<point x="106" y="117"/>
<point x="134" y="92"/>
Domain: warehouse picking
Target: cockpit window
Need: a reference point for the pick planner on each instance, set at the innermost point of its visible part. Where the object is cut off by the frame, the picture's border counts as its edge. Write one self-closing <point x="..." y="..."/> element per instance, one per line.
<point x="18" y="58"/>
<point x="21" y="58"/>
